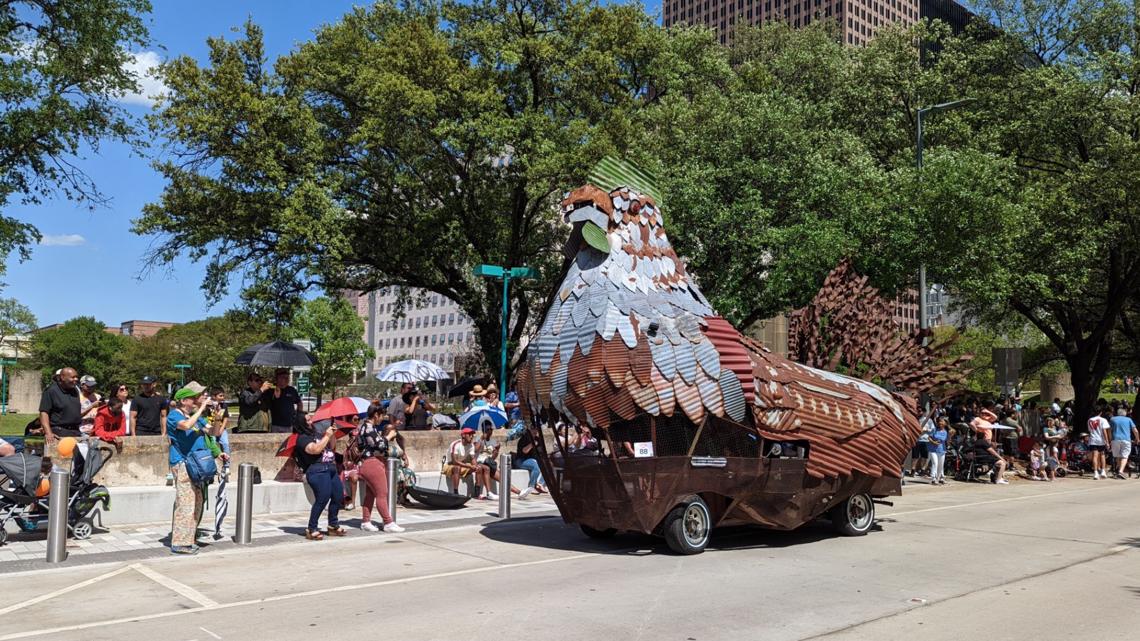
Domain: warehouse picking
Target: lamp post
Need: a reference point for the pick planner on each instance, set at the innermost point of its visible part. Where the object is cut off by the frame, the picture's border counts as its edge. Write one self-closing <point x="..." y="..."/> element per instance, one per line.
<point x="923" y="314"/>
<point x="181" y="367"/>
<point x="506" y="274"/>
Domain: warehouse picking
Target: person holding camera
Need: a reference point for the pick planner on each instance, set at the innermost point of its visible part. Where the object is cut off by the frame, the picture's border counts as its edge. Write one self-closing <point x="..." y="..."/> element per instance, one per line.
<point x="397" y="408"/>
<point x="416" y="408"/>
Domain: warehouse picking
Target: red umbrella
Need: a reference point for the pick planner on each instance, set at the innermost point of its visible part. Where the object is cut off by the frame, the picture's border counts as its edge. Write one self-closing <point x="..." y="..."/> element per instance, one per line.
<point x="343" y="406"/>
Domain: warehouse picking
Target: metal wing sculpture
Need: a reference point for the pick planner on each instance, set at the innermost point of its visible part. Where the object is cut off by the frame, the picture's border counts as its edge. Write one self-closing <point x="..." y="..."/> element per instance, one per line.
<point x="628" y="334"/>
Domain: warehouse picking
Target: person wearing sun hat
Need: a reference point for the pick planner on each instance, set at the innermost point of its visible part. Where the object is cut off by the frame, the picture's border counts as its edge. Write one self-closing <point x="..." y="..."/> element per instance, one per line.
<point x="187" y="428"/>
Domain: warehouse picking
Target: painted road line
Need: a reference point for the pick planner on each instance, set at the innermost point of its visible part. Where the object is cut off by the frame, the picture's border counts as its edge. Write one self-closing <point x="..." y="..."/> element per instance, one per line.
<point x="174" y="586"/>
<point x="285" y="597"/>
<point x="62" y="591"/>
<point x="1005" y="500"/>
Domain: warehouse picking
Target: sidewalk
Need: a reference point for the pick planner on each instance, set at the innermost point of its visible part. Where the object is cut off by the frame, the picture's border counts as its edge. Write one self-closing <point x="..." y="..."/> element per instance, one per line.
<point x="27" y="551"/>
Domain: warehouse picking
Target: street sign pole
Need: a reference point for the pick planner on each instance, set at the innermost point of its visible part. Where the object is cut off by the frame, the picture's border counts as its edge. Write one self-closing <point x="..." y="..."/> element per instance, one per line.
<point x="506" y="274"/>
<point x="182" y="367"/>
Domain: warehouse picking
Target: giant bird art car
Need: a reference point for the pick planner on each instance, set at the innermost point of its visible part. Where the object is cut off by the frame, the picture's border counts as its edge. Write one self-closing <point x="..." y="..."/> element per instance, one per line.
<point x="656" y="416"/>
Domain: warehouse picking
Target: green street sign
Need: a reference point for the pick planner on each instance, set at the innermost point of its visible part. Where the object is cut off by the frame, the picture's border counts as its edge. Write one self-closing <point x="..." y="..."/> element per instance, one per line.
<point x="303" y="385"/>
<point x="524" y="272"/>
<point x="489" y="271"/>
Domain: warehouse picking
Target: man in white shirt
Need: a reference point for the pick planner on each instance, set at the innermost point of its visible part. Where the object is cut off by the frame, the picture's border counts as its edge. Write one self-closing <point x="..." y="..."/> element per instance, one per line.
<point x="1098" y="441"/>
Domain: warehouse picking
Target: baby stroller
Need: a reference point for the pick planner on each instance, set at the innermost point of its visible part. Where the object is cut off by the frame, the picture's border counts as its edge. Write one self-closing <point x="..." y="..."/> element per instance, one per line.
<point x="20" y="477"/>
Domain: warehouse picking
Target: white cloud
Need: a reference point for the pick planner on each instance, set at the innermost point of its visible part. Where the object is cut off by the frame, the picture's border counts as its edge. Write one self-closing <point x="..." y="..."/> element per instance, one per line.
<point x="142" y="66"/>
<point x="62" y="240"/>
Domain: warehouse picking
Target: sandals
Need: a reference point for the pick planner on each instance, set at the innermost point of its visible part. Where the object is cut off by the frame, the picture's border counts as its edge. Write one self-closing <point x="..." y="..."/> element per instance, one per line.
<point x="337" y="531"/>
<point x="314" y="535"/>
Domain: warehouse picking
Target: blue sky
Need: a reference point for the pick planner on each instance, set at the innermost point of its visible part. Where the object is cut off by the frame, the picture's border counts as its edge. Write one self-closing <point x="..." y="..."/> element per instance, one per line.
<point x="90" y="264"/>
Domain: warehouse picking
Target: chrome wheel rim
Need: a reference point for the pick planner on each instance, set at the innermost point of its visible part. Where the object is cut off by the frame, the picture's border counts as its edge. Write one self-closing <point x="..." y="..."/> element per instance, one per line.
<point x="860" y="512"/>
<point x="696" y="525"/>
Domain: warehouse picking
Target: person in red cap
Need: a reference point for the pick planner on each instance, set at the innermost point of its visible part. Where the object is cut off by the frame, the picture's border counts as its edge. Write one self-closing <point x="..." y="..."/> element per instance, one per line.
<point x="461" y="462"/>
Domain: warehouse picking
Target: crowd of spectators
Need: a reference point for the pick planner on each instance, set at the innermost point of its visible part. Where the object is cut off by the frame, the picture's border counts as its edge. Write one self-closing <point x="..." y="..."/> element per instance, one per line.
<point x="966" y="437"/>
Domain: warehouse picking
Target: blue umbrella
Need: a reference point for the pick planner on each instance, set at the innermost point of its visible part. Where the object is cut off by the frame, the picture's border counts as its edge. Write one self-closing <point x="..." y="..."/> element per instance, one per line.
<point x="475" y="417"/>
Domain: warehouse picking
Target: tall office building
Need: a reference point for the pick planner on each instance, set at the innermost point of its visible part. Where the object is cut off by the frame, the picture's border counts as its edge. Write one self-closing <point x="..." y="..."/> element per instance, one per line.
<point x="859" y="20"/>
<point x="438" y="332"/>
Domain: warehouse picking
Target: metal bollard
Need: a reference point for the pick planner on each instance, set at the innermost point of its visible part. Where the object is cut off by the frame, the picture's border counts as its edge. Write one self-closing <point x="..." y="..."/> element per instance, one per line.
<point x="243" y="530"/>
<point x="57" y="516"/>
<point x="505" y="485"/>
<point x="393" y="486"/>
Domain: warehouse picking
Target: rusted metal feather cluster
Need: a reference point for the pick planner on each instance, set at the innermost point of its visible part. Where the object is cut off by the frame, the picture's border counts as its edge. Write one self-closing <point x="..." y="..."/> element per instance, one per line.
<point x="850" y="324"/>
<point x="625" y="334"/>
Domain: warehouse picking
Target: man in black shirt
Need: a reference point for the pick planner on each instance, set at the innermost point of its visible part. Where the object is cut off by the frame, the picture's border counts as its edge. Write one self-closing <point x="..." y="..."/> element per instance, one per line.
<point x="285" y="404"/>
<point x="59" y="406"/>
<point x="148" y="410"/>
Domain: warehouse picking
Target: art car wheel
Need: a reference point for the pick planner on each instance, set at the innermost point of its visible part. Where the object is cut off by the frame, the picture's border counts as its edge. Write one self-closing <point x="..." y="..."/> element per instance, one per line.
<point x="595" y="533"/>
<point x="82" y="530"/>
<point x="688" y="526"/>
<point x="854" y="516"/>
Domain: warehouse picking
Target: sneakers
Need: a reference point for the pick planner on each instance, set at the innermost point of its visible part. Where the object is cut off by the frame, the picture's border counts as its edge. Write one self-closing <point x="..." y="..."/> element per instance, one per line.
<point x="369" y="526"/>
<point x="526" y="492"/>
<point x="1002" y="482"/>
<point x="491" y="496"/>
<point x="393" y="528"/>
<point x="184" y="549"/>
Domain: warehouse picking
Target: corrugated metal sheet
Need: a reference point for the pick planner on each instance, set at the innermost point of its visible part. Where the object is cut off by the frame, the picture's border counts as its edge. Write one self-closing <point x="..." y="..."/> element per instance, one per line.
<point x="733" y="355"/>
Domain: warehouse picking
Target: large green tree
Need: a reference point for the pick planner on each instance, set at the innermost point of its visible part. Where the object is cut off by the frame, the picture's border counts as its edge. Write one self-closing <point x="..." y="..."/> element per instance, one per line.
<point x="337" y="334"/>
<point x="406" y="144"/>
<point x="807" y="156"/>
<point x="16" y="320"/>
<point x="1055" y="95"/>
<point x="63" y="65"/>
<point x="81" y="343"/>
<point x="209" y="346"/>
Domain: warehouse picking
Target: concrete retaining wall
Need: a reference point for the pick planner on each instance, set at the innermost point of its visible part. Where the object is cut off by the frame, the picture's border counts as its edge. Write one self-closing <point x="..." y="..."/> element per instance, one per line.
<point x="144" y="459"/>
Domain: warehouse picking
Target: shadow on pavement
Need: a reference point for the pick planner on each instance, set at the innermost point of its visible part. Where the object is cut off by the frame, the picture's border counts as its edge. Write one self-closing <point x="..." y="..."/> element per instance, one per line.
<point x="551" y="533"/>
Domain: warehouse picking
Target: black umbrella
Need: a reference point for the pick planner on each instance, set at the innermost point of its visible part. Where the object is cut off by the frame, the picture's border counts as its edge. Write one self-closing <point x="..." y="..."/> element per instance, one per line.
<point x="276" y="354"/>
<point x="463" y="387"/>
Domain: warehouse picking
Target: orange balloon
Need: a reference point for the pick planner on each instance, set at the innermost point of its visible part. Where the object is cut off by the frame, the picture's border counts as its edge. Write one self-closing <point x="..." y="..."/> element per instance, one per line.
<point x="66" y="447"/>
<point x="44" y="488"/>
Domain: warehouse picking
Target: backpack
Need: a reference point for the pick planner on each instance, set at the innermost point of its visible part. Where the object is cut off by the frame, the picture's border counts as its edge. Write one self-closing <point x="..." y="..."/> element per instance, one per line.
<point x="200" y="464"/>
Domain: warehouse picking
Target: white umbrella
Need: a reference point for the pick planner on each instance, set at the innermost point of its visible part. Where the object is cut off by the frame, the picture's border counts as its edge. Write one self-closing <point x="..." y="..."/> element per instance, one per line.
<point x="412" y="371"/>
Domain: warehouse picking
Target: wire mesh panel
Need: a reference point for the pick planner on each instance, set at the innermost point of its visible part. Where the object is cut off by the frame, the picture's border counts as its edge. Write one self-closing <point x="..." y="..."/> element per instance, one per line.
<point x="722" y="438"/>
<point x="674" y="435"/>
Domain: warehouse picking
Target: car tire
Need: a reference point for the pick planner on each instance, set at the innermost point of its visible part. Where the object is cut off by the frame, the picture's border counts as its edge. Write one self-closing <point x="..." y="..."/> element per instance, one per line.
<point x="595" y="533"/>
<point x="854" y="516"/>
<point x="688" y="526"/>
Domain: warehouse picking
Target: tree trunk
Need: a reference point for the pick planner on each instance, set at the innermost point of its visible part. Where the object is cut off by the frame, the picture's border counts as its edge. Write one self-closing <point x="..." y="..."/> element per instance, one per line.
<point x="1087" y="368"/>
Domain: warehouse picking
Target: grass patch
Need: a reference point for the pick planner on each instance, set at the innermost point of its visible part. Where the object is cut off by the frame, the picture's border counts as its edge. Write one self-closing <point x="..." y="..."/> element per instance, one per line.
<point x="13" y="424"/>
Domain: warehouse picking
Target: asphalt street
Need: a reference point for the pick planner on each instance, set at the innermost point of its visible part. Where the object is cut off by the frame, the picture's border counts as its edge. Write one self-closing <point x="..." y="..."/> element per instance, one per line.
<point x="967" y="561"/>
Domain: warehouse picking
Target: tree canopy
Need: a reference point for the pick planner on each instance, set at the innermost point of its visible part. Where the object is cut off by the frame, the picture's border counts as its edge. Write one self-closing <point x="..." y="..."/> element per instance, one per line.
<point x="209" y="346"/>
<point x="82" y="343"/>
<point x="63" y="65"/>
<point x="406" y="144"/>
<point x="15" y="320"/>
<point x="337" y="334"/>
